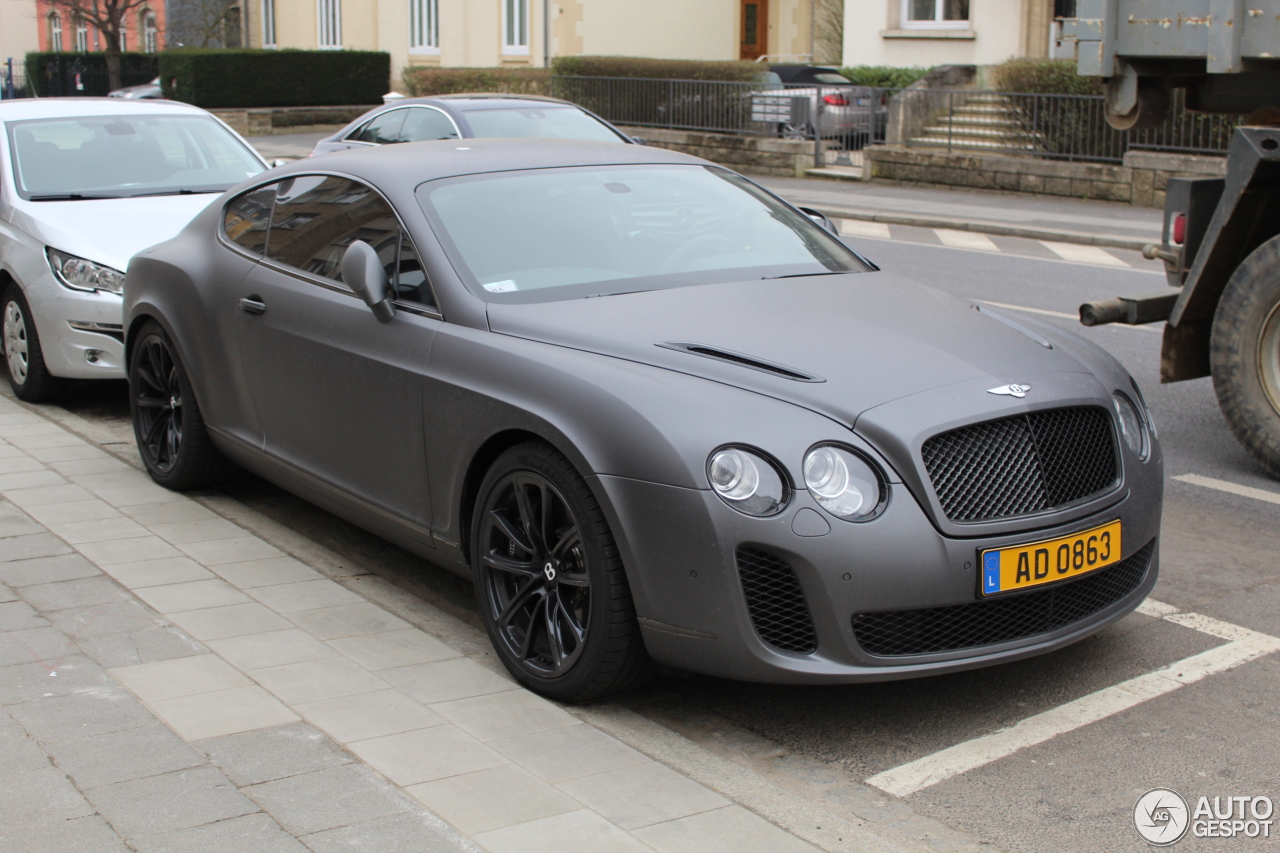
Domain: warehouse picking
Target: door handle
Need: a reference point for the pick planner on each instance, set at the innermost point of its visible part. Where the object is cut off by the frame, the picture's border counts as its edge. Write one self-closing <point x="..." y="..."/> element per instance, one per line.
<point x="253" y="305"/>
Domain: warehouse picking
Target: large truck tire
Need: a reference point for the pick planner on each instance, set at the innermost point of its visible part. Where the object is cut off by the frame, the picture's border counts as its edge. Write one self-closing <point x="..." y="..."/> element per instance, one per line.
<point x="1245" y="354"/>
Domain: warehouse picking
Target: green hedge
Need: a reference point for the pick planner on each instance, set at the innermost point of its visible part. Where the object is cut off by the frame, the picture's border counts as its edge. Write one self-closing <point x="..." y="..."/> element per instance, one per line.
<point x="51" y="73"/>
<point x="274" y="78"/>
<point x="1043" y="77"/>
<point x="425" y="82"/>
<point x="884" y="76"/>
<point x="659" y="69"/>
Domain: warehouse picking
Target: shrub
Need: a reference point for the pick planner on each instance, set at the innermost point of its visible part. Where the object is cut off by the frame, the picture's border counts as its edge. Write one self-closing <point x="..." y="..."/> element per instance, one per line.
<point x="658" y="69"/>
<point x="425" y="82"/>
<point x="222" y="78"/>
<point x="1043" y="77"/>
<point x="51" y="73"/>
<point x="884" y="76"/>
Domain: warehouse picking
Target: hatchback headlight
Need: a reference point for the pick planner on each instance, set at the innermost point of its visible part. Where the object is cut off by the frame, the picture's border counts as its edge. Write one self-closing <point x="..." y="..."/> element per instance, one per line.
<point x="79" y="274"/>
<point x="1132" y="428"/>
<point x="746" y="481"/>
<point x="842" y="482"/>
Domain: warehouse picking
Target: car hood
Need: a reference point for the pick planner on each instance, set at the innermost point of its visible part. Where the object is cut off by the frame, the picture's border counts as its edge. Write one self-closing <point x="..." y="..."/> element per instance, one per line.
<point x="863" y="339"/>
<point x="111" y="230"/>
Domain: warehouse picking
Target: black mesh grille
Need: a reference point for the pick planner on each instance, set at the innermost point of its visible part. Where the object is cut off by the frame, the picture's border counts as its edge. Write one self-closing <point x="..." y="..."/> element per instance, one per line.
<point x="776" y="602"/>
<point x="999" y="620"/>
<point x="1022" y="464"/>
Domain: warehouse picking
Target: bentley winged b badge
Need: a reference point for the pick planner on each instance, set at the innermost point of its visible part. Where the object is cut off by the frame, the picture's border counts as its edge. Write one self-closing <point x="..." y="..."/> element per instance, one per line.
<point x="1010" y="390"/>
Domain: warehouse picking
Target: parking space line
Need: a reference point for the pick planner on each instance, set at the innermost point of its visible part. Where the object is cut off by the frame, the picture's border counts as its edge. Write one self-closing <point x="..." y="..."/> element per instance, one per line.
<point x="1243" y="646"/>
<point x="1230" y="488"/>
<point x="1083" y="254"/>
<point x="864" y="228"/>
<point x="966" y="240"/>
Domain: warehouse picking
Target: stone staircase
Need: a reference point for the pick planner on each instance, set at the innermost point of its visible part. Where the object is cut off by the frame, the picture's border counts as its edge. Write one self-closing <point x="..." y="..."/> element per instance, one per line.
<point x="981" y="120"/>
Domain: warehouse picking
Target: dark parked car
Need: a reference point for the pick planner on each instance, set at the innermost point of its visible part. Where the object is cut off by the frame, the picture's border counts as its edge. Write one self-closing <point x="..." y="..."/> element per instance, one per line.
<point x="468" y="116"/>
<point x="655" y="413"/>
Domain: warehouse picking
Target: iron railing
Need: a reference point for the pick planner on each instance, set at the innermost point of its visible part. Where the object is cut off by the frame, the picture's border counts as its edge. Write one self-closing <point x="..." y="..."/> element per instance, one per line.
<point x="13" y="79"/>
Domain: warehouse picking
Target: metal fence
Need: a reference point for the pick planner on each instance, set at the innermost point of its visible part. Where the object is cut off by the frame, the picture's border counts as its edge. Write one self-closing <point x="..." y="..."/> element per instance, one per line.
<point x="60" y="80"/>
<point x="13" y="80"/>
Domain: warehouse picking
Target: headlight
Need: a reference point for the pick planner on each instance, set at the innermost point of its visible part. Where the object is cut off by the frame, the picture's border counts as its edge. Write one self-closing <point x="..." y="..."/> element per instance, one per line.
<point x="1146" y="409"/>
<point x="1131" y="426"/>
<point x="746" y="481"/>
<point x="79" y="274"/>
<point x="842" y="482"/>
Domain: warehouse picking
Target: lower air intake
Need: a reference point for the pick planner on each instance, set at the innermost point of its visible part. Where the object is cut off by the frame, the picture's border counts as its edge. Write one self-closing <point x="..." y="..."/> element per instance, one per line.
<point x="776" y="602"/>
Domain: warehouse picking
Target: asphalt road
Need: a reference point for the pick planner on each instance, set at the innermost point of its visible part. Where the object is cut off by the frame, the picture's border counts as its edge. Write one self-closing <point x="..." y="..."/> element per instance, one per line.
<point x="1217" y="736"/>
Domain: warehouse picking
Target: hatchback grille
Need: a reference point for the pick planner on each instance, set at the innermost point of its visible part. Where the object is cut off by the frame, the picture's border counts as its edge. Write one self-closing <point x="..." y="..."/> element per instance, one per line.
<point x="776" y="602"/>
<point x="999" y="620"/>
<point x="1023" y="464"/>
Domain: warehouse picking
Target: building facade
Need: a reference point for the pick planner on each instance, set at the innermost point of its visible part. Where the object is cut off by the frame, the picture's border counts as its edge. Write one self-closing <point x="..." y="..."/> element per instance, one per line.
<point x="61" y="30"/>
<point x="18" y="30"/>
<point x="947" y="32"/>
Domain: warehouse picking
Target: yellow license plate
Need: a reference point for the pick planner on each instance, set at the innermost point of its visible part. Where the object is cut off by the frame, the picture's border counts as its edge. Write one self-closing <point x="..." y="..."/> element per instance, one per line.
<point x="1025" y="566"/>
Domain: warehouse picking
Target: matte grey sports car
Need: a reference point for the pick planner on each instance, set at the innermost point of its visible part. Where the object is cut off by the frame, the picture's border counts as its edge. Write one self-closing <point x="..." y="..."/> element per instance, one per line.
<point x="658" y="415"/>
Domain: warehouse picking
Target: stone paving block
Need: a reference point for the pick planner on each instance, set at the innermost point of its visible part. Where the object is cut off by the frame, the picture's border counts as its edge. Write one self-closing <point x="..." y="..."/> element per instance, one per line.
<point x="235" y="550"/>
<point x="369" y="715"/>
<point x="117" y="617"/>
<point x="223" y="712"/>
<point x="128" y="550"/>
<point x="349" y="620"/>
<point x="493" y="798"/>
<point x="20" y="616"/>
<point x="169" y="512"/>
<point x="158" y="572"/>
<point x="19" y="753"/>
<point x="77" y="467"/>
<point x="30" y="546"/>
<point x="502" y="715"/>
<point x="426" y="754"/>
<point x="19" y="464"/>
<point x="255" y="573"/>
<point x="96" y="712"/>
<point x="170" y="801"/>
<point x="394" y="648"/>
<point x="580" y="830"/>
<point x="732" y="829"/>
<point x="120" y="756"/>
<point x="66" y="453"/>
<point x="82" y="592"/>
<point x="7" y="593"/>
<point x="19" y="573"/>
<point x="642" y="795"/>
<point x="82" y="835"/>
<point x="254" y="833"/>
<point x="96" y="530"/>
<point x="264" y="755"/>
<point x="155" y="682"/>
<point x="558" y="755"/>
<point x="36" y="798"/>
<point x="18" y="526"/>
<point x="136" y="647"/>
<point x="312" y="681"/>
<point x="90" y="510"/>
<point x="38" y="645"/>
<point x="307" y="595"/>
<point x="199" y="530"/>
<point x="445" y="680"/>
<point x="21" y="682"/>
<point x="325" y="799"/>
<point x="49" y="495"/>
<point x="30" y="480"/>
<point x="233" y="621"/>
<point x="416" y="830"/>
<point x="192" y="595"/>
<point x="274" y="648"/>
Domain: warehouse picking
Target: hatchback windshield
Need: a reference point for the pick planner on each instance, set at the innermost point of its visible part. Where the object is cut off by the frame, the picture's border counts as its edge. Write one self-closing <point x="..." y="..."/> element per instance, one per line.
<point x="123" y="156"/>
<point x="547" y="122"/>
<point x="550" y="234"/>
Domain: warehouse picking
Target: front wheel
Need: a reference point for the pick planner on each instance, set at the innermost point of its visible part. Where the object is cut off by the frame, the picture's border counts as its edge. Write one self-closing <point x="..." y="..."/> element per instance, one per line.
<point x="28" y="376"/>
<point x="1244" y="354"/>
<point x="553" y="594"/>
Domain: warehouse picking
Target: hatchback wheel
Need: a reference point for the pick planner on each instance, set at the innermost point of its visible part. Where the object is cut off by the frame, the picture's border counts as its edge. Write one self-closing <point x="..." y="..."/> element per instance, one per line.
<point x="171" y="434"/>
<point x="30" y="379"/>
<point x="553" y="594"/>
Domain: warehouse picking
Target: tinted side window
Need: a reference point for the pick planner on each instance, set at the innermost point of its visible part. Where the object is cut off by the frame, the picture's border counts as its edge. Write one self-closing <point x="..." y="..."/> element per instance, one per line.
<point x="422" y="124"/>
<point x="316" y="217"/>
<point x="247" y="218"/>
<point x="382" y="128"/>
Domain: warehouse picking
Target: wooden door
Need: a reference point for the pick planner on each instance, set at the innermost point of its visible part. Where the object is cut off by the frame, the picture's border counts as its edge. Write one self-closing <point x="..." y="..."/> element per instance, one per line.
<point x="755" y="29"/>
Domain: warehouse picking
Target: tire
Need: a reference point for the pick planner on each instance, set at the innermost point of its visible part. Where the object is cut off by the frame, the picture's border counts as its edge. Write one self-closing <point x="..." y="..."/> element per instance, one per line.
<point x="28" y="376"/>
<point x="1244" y="354"/>
<point x="170" y="431"/>
<point x="590" y="646"/>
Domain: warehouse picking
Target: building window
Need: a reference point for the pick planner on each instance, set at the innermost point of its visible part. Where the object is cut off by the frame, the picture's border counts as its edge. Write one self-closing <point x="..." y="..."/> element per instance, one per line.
<point x="82" y="37"/>
<point x="268" y="23"/>
<point x="124" y="36"/>
<point x="55" y="32"/>
<point x="150" y="33"/>
<point x="515" y="27"/>
<point x="329" y="21"/>
<point x="424" y="26"/>
<point x="935" y="14"/>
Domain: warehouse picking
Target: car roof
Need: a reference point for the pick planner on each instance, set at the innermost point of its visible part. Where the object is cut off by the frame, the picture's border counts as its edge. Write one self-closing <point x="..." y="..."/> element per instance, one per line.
<point x="485" y="101"/>
<point x="26" y="108"/>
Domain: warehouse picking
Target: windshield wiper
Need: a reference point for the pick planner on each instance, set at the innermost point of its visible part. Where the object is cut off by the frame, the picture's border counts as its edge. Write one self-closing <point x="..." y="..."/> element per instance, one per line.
<point x="183" y="191"/>
<point x="71" y="197"/>
<point x="806" y="274"/>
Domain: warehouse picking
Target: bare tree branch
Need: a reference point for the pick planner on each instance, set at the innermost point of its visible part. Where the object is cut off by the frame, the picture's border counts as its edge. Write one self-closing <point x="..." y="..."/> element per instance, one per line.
<point x="828" y="31"/>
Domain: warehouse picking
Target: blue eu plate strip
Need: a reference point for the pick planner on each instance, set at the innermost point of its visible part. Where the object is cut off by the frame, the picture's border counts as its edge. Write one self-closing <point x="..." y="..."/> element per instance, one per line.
<point x="991" y="572"/>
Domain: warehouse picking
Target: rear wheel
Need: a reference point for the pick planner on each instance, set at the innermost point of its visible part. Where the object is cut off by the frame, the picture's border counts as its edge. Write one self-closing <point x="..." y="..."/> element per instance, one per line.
<point x="28" y="376"/>
<point x="1245" y="354"/>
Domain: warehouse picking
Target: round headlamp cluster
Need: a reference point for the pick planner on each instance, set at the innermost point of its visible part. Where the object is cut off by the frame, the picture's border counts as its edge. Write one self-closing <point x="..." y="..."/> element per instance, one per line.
<point x="746" y="481"/>
<point x="1133" y="429"/>
<point x="842" y="483"/>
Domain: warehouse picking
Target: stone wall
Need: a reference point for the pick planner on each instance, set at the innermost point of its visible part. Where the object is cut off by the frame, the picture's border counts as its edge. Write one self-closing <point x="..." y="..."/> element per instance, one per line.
<point x="264" y="121"/>
<point x="751" y="155"/>
<point x="1140" y="180"/>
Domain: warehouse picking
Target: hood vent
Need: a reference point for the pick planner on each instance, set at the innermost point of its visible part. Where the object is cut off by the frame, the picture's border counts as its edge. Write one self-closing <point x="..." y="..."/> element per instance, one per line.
<point x="742" y="361"/>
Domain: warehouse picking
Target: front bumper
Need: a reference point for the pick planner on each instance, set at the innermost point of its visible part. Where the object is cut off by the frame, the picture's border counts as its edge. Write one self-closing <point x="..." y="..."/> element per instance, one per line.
<point x="80" y="332"/>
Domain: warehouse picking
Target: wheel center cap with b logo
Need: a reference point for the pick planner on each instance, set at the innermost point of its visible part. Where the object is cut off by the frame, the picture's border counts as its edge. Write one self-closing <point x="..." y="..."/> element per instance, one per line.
<point x="550" y="571"/>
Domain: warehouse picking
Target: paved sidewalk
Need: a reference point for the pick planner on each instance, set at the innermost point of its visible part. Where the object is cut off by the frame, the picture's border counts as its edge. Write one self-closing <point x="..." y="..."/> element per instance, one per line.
<point x="170" y="681"/>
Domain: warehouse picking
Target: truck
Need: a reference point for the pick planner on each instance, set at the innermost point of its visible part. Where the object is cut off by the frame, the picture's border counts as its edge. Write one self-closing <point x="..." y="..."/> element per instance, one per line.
<point x="1220" y="241"/>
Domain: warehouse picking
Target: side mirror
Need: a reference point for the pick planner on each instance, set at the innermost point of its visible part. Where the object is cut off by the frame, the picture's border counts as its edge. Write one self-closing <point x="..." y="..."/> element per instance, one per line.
<point x="362" y="271"/>
<point x="821" y="220"/>
<point x="279" y="162"/>
<point x="639" y="140"/>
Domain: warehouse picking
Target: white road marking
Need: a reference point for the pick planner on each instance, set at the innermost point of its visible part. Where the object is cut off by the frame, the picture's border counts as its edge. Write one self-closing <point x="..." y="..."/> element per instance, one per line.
<point x="966" y="240"/>
<point x="1064" y="315"/>
<point x="1083" y="254"/>
<point x="1243" y="646"/>
<point x="864" y="228"/>
<point x="1232" y="488"/>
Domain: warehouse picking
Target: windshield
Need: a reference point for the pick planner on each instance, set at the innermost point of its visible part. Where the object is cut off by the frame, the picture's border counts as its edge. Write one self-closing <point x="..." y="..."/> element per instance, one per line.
<point x="547" y="122"/>
<point x="551" y="234"/>
<point x="125" y="156"/>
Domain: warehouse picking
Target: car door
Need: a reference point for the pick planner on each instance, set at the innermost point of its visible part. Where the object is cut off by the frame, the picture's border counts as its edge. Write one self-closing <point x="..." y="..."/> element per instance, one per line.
<point x="339" y="394"/>
<point x="382" y="129"/>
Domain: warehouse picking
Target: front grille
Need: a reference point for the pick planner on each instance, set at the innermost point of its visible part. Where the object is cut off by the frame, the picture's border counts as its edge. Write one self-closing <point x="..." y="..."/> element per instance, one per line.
<point x="999" y="620"/>
<point x="776" y="602"/>
<point x="1023" y="464"/>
